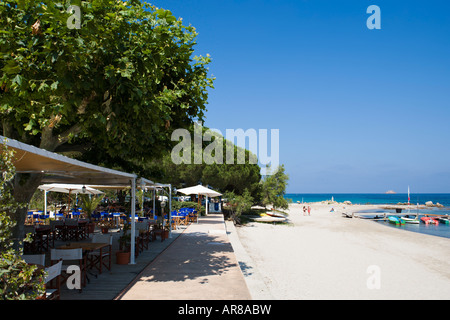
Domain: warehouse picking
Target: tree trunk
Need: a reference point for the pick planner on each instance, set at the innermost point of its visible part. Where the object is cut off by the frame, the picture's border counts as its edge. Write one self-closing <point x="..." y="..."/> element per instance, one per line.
<point x="24" y="186"/>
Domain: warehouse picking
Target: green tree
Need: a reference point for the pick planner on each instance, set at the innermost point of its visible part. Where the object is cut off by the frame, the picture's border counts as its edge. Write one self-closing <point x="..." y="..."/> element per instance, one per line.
<point x="273" y="189"/>
<point x="110" y="92"/>
<point x="238" y="204"/>
<point x="221" y="176"/>
<point x="18" y="280"/>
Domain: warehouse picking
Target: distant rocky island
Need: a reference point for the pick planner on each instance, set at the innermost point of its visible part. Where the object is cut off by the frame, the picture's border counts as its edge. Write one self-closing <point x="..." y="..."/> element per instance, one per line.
<point x="391" y="192"/>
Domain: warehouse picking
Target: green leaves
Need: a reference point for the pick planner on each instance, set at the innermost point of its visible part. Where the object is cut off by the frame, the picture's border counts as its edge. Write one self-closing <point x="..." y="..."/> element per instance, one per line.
<point x="273" y="189"/>
<point x="18" y="280"/>
<point x="141" y="55"/>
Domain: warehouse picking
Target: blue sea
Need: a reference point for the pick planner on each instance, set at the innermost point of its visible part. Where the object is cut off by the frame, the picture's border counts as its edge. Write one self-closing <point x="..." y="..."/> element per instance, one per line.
<point x="372" y="198"/>
<point x="441" y="230"/>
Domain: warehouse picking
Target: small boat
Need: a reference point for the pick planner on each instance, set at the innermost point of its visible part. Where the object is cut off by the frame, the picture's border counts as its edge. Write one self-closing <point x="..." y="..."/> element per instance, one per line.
<point x="396" y="220"/>
<point x="410" y="220"/>
<point x="428" y="220"/>
<point x="267" y="218"/>
<point x="275" y="214"/>
<point x="444" y="220"/>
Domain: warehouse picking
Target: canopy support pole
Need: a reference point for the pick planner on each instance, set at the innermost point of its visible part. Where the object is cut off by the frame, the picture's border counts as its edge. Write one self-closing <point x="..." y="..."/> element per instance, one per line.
<point x="45" y="201"/>
<point x="154" y="203"/>
<point x="133" y="216"/>
<point x="170" y="211"/>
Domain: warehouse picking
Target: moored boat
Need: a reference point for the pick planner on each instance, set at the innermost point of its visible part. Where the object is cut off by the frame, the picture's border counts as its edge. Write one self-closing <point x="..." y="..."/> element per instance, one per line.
<point x="428" y="220"/>
<point x="396" y="220"/>
<point x="410" y="220"/>
<point x="444" y="220"/>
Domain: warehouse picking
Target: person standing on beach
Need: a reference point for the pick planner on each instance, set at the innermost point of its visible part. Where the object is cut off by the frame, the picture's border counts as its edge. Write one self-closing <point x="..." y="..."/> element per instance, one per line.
<point x="309" y="210"/>
<point x="304" y="210"/>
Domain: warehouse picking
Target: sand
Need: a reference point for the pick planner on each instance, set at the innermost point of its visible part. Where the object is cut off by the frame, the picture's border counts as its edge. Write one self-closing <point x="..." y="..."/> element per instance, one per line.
<point x="327" y="256"/>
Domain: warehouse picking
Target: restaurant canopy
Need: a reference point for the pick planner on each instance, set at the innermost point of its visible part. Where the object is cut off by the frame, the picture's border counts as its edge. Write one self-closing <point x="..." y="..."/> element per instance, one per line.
<point x="60" y="169"/>
<point x="69" y="188"/>
<point x="201" y="190"/>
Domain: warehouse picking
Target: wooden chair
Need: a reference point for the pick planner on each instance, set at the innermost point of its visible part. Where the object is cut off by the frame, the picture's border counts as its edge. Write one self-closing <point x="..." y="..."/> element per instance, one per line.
<point x="101" y="258"/>
<point x="82" y="229"/>
<point x="30" y="247"/>
<point x="53" y="292"/>
<point x="72" y="257"/>
<point x="138" y="242"/>
<point x="72" y="229"/>
<point x="43" y="236"/>
<point x="57" y="227"/>
<point x="144" y="234"/>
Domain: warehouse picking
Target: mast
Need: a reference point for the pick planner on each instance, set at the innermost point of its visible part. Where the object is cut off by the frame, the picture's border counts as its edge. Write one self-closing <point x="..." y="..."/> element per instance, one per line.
<point x="408" y="196"/>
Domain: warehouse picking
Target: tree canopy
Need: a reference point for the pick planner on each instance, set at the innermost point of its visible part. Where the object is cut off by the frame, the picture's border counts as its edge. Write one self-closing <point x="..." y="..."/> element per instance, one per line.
<point x="107" y="86"/>
<point x="273" y="189"/>
<point x="110" y="90"/>
<point x="234" y="177"/>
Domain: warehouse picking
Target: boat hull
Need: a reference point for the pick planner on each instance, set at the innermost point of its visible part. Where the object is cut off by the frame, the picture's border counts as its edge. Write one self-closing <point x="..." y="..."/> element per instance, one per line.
<point x="396" y="220"/>
<point x="411" y="221"/>
<point x="428" y="220"/>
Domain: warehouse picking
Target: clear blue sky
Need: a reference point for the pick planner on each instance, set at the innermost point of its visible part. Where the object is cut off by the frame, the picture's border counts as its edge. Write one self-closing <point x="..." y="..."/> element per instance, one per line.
<point x="358" y="110"/>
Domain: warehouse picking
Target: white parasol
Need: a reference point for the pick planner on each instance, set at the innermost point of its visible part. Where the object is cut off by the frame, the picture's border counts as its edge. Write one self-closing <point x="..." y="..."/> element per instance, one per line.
<point x="200" y="190"/>
<point x="67" y="188"/>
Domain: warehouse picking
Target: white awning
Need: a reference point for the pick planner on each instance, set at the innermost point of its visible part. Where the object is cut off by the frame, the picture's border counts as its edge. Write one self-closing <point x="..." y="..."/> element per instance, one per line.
<point x="60" y="169"/>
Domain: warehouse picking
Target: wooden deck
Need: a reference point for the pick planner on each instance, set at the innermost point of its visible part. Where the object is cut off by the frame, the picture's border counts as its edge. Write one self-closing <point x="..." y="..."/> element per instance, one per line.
<point x="109" y="284"/>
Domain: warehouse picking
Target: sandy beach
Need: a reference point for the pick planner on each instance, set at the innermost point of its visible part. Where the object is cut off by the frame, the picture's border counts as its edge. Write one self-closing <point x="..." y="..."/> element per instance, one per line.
<point x="327" y="256"/>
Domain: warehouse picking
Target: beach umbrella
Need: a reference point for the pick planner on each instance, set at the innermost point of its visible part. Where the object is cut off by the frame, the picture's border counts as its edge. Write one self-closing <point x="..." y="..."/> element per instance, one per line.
<point x="67" y="188"/>
<point x="200" y="190"/>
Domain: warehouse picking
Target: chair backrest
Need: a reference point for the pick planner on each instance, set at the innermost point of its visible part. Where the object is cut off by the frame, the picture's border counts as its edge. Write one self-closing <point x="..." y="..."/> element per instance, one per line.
<point x="142" y="225"/>
<point x="71" y="222"/>
<point x="136" y="232"/>
<point x="29" y="229"/>
<point x="66" y="254"/>
<point x="102" y="238"/>
<point x="53" y="271"/>
<point x="54" y="223"/>
<point x="34" y="258"/>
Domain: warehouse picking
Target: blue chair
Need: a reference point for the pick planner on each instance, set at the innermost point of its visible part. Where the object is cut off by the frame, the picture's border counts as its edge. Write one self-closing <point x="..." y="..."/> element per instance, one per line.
<point x="124" y="219"/>
<point x="76" y="214"/>
<point x="30" y="216"/>
<point x="95" y="216"/>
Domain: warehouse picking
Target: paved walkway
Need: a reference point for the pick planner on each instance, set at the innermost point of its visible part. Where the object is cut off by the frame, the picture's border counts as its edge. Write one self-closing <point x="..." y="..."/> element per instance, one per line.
<point x="199" y="265"/>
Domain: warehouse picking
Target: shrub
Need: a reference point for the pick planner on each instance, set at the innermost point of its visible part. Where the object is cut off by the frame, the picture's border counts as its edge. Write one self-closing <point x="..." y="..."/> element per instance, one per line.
<point x="18" y="280"/>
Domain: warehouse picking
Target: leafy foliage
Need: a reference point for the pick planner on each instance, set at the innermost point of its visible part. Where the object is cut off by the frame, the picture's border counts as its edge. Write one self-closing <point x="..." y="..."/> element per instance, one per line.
<point x="273" y="189"/>
<point x="221" y="176"/>
<point x="18" y="280"/>
<point x="114" y="88"/>
<point x="238" y="204"/>
<point x="90" y="203"/>
<point x="108" y="93"/>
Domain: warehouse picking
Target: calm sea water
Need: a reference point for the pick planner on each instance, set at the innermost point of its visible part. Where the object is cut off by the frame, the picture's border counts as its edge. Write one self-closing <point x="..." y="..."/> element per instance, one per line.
<point x="441" y="230"/>
<point x="372" y="198"/>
